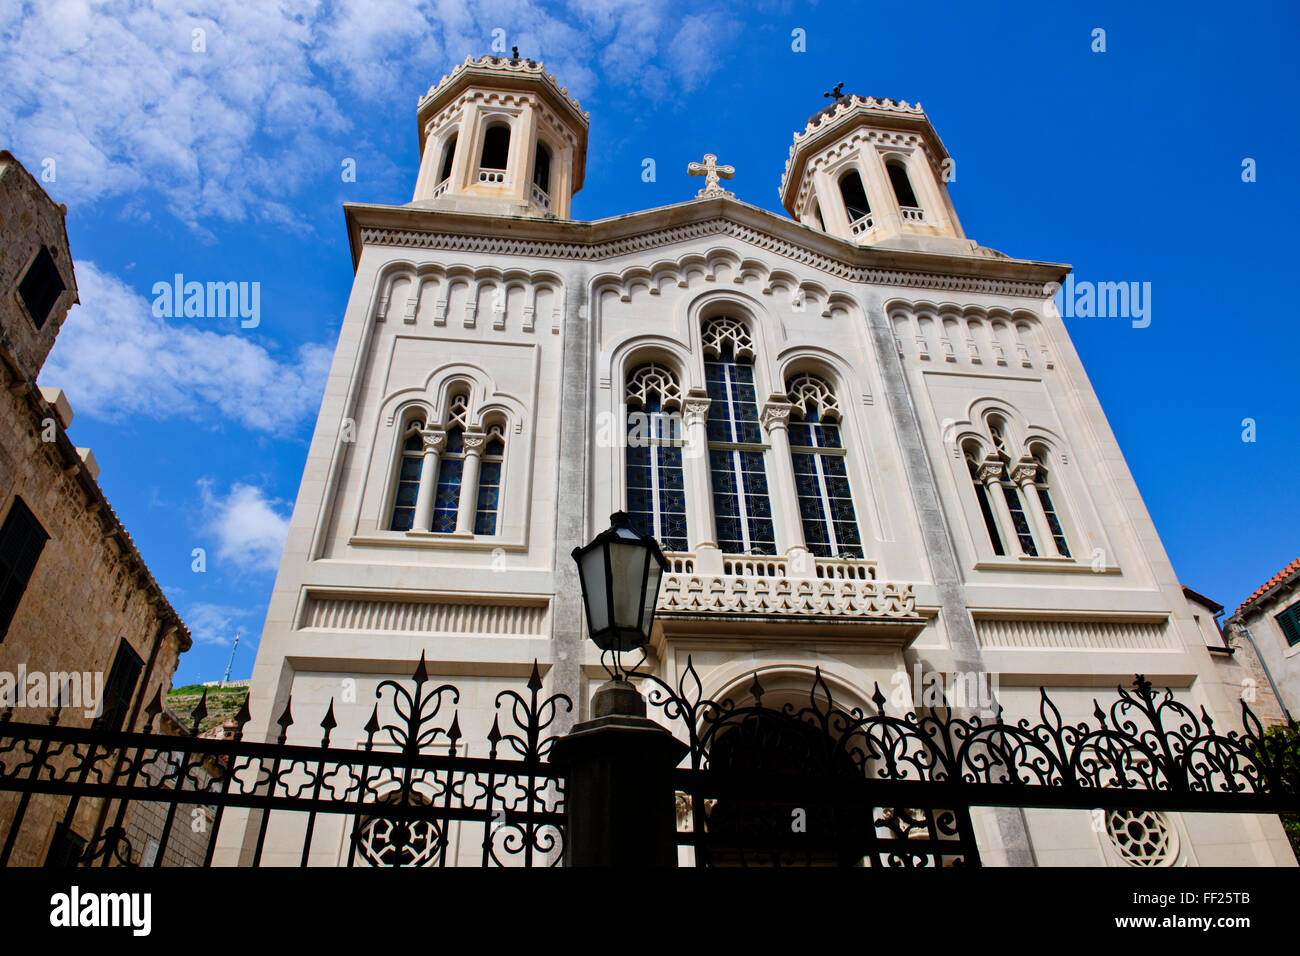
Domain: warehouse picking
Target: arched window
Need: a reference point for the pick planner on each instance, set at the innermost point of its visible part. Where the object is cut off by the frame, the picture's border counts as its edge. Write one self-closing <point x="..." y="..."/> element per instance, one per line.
<point x="451" y="467"/>
<point x="489" y="481"/>
<point x="1020" y="523"/>
<point x="972" y="453"/>
<point x="448" y="154"/>
<point x="496" y="147"/>
<point x="902" y="185"/>
<point x="741" y="506"/>
<point x="830" y="526"/>
<point x="542" y="168"/>
<point x="656" y="499"/>
<point x="855" y="201"/>
<point x="408" y="477"/>
<point x="1045" y="499"/>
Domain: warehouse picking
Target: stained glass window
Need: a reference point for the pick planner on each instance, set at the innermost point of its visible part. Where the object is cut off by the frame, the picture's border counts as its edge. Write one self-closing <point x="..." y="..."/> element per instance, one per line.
<point x="656" y="496"/>
<point x="408" y="479"/>
<point x="982" y="496"/>
<point x="741" y="506"/>
<point x="489" y="482"/>
<point x="451" y="466"/>
<point x="1049" y="510"/>
<point x="821" y="480"/>
<point x="1019" y="522"/>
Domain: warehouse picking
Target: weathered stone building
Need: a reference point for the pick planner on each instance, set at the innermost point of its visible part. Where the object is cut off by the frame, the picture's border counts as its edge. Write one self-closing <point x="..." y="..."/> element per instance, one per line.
<point x="865" y="442"/>
<point x="1269" y="622"/>
<point x="78" y="607"/>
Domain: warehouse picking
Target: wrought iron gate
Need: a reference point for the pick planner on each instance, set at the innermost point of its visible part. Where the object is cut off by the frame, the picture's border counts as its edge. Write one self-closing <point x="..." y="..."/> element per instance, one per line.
<point x="822" y="784"/>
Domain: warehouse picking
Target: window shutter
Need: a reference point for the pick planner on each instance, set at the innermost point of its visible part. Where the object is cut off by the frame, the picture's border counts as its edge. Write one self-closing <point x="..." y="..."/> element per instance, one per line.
<point x="1289" y="620"/>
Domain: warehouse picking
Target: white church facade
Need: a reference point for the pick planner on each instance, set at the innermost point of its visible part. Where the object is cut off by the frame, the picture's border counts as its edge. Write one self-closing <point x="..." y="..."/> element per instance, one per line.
<point x="864" y="441"/>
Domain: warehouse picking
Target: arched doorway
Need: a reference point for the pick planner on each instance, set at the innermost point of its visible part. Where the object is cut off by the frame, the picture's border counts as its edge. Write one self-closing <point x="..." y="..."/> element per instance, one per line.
<point x="783" y="808"/>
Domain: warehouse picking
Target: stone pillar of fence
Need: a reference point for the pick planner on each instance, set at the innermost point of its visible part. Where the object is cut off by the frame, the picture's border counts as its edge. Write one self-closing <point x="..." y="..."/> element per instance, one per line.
<point x="618" y="796"/>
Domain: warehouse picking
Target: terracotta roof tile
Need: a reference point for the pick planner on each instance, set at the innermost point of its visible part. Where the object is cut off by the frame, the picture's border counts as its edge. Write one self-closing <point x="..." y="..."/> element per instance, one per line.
<point x="1276" y="579"/>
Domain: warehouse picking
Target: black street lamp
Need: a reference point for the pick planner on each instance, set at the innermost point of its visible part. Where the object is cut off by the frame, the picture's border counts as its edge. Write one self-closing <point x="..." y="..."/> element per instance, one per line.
<point x="620" y="573"/>
<point x="619" y="795"/>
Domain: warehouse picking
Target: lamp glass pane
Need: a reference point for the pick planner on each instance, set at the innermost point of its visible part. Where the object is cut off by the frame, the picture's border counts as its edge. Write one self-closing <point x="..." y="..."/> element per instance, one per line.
<point x="595" y="591"/>
<point x="651" y="594"/>
<point x="627" y="567"/>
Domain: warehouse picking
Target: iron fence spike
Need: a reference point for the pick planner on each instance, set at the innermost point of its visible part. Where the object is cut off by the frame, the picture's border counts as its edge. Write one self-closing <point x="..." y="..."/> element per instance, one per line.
<point x="200" y="711"/>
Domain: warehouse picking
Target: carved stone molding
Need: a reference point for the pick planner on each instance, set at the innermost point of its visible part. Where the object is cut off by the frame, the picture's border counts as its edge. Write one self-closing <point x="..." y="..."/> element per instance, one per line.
<point x="514" y="65"/>
<point x="776" y="414"/>
<point x="990" y="469"/>
<point x="746" y="594"/>
<point x="1024" y="471"/>
<point x="654" y="239"/>
<point x="696" y="411"/>
<point x="434" y="439"/>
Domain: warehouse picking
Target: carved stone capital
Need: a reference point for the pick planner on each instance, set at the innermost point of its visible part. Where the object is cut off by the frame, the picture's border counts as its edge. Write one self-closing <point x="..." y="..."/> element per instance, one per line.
<point x="695" y="409"/>
<point x="474" y="442"/>
<point x="990" y="469"/>
<point x="776" y="415"/>
<point x="434" y="439"/>
<point x="1024" y="471"/>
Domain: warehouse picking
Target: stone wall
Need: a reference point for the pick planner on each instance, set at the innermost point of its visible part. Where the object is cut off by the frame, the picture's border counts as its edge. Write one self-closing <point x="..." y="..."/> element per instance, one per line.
<point x="28" y="220"/>
<point x="90" y="588"/>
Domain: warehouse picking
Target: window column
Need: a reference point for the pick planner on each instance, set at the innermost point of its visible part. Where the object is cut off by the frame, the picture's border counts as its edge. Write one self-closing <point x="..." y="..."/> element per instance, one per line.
<point x="990" y="474"/>
<point x="789" y="527"/>
<point x="469" y="483"/>
<point x="1025" y="475"/>
<point x="695" y="464"/>
<point x="433" y="442"/>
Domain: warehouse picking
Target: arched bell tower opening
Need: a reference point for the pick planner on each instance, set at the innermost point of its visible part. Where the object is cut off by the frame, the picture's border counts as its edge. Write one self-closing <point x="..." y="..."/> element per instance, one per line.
<point x="500" y="137"/>
<point x="874" y="172"/>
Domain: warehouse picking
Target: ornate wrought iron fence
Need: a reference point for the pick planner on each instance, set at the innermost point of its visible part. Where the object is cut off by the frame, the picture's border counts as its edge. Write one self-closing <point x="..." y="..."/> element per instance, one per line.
<point x="825" y="784"/>
<point x="401" y="794"/>
<point x="809" y="784"/>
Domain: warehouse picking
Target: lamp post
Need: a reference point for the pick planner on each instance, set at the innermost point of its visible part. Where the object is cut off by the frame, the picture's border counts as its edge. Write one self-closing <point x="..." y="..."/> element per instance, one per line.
<point x="619" y="796"/>
<point x="619" y="573"/>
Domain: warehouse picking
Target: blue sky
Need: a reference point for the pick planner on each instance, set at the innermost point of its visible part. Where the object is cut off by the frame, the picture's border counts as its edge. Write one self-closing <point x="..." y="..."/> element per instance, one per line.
<point x="225" y="164"/>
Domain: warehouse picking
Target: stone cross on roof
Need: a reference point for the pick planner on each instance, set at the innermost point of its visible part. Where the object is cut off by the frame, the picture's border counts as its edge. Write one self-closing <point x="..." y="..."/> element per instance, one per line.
<point x="711" y="172"/>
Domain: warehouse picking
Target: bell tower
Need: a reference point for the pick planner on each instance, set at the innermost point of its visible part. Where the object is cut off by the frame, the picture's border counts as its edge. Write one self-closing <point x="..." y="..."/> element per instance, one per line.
<point x="500" y="136"/>
<point x="873" y="172"/>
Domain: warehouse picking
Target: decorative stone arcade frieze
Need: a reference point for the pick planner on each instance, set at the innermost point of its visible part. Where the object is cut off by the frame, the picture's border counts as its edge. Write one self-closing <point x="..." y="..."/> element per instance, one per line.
<point x="773" y="594"/>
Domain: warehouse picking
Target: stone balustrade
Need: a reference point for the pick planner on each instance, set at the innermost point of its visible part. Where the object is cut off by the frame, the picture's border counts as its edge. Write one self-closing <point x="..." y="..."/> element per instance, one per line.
<point x="862" y="225"/>
<point x="755" y="584"/>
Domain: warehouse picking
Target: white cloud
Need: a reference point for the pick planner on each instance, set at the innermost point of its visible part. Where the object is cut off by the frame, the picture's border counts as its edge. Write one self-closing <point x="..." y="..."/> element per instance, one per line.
<point x="249" y="529"/>
<point x="218" y="623"/>
<point x="117" y="95"/>
<point x="114" y="358"/>
<point x="115" y="92"/>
